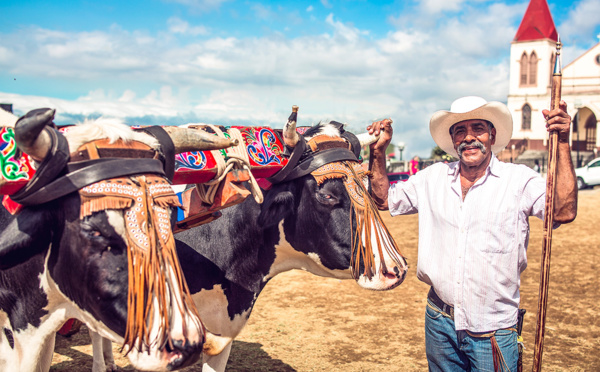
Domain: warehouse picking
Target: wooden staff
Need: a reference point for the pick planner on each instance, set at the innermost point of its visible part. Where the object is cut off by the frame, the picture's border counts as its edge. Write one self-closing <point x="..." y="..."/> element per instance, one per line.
<point x="549" y="217"/>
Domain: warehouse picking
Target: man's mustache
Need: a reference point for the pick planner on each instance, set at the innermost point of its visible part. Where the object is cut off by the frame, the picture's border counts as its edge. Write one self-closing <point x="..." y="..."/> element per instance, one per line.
<point x="475" y="143"/>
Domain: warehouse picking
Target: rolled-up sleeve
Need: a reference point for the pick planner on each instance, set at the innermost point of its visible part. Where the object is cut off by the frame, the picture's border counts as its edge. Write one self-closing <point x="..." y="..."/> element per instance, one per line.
<point x="402" y="197"/>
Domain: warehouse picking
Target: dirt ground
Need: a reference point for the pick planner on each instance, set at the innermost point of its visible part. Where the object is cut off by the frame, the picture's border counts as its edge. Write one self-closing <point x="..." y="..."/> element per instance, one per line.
<point x="306" y="323"/>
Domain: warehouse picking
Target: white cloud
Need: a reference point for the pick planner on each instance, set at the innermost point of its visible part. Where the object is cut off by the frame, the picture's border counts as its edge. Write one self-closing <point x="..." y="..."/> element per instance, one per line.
<point x="344" y="74"/>
<point x="262" y="12"/>
<point x="326" y="4"/>
<point x="310" y="8"/>
<point x="128" y="96"/>
<point x="6" y="55"/>
<point x="344" y="31"/>
<point x="439" y="6"/>
<point x="200" y="6"/>
<point x="582" y="19"/>
<point x="179" y="26"/>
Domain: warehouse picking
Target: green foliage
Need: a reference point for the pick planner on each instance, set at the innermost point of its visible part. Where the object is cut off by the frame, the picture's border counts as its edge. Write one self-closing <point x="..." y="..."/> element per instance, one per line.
<point x="438" y="154"/>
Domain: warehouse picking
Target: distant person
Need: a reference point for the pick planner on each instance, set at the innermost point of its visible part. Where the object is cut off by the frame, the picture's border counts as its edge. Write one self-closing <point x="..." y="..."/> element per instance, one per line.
<point x="413" y="165"/>
<point x="474" y="228"/>
<point x="536" y="166"/>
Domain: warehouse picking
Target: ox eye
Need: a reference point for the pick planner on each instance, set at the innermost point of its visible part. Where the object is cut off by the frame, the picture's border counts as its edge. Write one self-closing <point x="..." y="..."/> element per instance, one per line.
<point x="326" y="198"/>
<point x="90" y="231"/>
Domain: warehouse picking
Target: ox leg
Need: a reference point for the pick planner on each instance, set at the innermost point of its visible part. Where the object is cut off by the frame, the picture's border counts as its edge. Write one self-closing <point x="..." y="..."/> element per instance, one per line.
<point x="107" y="353"/>
<point x="102" y="354"/>
<point x="98" y="364"/>
<point x="216" y="363"/>
<point x="47" y="352"/>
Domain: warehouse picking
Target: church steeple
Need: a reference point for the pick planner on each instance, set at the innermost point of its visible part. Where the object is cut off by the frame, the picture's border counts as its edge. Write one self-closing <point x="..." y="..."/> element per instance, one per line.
<point x="537" y="23"/>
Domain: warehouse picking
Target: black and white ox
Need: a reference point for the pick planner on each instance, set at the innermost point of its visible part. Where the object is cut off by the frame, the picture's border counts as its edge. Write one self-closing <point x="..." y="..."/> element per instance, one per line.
<point x="302" y="224"/>
<point x="56" y="265"/>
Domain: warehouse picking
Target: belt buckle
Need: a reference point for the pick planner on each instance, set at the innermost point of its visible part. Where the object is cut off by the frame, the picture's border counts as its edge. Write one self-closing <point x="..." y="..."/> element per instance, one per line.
<point x="448" y="310"/>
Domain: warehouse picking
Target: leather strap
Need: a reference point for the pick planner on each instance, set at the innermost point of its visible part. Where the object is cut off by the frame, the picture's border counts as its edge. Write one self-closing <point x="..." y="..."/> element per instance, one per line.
<point x="303" y="161"/>
<point x="318" y="159"/>
<point x="167" y="148"/>
<point x="50" y="168"/>
<point x="86" y="174"/>
<point x="112" y="153"/>
<point x="291" y="164"/>
<point x="354" y="143"/>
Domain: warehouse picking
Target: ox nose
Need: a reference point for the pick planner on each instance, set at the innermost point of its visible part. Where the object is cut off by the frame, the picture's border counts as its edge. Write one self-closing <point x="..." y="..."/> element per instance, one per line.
<point x="184" y="353"/>
<point x="401" y="275"/>
<point x="396" y="274"/>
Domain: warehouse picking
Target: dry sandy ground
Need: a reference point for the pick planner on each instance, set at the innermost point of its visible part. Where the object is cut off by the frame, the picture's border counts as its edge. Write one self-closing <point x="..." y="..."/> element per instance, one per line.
<point x="307" y="323"/>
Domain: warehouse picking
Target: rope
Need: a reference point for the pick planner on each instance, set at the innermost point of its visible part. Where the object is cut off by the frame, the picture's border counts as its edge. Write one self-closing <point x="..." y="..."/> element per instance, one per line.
<point x="237" y="157"/>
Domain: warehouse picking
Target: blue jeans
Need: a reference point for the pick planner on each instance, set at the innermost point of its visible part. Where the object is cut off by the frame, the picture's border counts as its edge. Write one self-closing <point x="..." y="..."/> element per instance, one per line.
<point x="451" y="350"/>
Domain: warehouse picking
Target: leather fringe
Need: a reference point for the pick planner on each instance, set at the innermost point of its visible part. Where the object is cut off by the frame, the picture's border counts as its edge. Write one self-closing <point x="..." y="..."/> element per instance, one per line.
<point x="369" y="225"/>
<point x="156" y="282"/>
<point x="90" y="204"/>
<point x="159" y="284"/>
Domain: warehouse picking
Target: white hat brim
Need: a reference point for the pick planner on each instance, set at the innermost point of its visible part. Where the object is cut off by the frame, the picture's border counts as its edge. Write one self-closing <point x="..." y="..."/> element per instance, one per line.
<point x="495" y="112"/>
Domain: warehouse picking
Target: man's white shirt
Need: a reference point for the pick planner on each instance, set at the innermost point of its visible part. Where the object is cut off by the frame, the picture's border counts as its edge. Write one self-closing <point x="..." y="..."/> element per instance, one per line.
<point x="473" y="251"/>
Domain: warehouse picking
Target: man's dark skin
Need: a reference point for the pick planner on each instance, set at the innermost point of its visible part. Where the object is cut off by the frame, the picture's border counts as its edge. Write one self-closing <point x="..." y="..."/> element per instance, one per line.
<point x="474" y="161"/>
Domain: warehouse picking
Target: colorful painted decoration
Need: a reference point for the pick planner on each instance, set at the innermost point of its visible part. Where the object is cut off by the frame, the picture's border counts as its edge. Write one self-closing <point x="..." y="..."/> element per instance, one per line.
<point x="15" y="173"/>
<point x="263" y="146"/>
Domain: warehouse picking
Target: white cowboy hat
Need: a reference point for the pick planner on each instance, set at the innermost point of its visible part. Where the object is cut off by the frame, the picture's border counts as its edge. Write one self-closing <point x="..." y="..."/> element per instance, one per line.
<point x="471" y="107"/>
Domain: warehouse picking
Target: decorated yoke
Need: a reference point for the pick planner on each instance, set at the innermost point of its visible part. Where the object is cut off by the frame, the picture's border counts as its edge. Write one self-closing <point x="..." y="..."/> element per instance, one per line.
<point x="219" y="183"/>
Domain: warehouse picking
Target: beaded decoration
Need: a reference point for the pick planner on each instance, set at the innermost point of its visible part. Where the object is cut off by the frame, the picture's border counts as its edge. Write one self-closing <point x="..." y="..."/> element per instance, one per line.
<point x="151" y="255"/>
<point x="369" y="225"/>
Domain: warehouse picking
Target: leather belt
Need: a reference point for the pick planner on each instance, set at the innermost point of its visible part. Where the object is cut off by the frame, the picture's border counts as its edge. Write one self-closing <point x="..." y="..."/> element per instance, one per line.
<point x="444" y="307"/>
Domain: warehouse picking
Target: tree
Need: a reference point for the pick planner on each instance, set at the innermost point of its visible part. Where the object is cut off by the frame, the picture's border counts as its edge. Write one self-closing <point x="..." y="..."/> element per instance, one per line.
<point x="437" y="154"/>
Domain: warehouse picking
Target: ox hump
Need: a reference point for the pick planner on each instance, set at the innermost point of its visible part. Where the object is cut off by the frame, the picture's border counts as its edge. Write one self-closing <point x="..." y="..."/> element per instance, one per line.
<point x="111" y="128"/>
<point x="323" y="128"/>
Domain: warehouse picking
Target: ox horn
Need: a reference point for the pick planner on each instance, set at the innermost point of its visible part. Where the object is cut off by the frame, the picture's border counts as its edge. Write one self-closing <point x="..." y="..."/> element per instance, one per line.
<point x="290" y="136"/>
<point x="366" y="139"/>
<point x="30" y="136"/>
<point x="188" y="139"/>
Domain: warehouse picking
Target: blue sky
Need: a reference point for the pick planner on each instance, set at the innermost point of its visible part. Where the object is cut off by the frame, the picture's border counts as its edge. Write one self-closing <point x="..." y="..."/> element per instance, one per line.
<point x="237" y="62"/>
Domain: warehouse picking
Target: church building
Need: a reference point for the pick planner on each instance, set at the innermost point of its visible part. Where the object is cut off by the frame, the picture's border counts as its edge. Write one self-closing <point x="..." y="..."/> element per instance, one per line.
<point x="532" y="57"/>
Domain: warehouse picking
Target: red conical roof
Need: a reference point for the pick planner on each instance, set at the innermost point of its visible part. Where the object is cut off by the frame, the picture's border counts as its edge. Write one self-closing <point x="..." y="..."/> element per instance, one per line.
<point x="537" y="23"/>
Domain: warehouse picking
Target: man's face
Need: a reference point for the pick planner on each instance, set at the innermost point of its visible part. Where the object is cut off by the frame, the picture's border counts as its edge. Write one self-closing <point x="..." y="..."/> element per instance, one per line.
<point x="473" y="141"/>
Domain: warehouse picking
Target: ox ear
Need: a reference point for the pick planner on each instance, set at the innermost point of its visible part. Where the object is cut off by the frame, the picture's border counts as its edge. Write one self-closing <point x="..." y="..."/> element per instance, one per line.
<point x="277" y="206"/>
<point x="25" y="236"/>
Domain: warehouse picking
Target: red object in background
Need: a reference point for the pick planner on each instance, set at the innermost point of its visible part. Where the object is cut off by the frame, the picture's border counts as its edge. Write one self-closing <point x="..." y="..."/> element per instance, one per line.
<point x="398" y="177"/>
<point x="70" y="327"/>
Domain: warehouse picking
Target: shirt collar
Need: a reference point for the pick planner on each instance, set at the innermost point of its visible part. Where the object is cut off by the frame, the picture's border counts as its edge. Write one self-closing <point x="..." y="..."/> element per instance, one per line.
<point x="494" y="168"/>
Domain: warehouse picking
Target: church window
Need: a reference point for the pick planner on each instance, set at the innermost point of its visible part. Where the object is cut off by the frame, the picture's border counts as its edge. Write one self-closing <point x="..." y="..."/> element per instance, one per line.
<point x="524" y="69"/>
<point x="533" y="61"/>
<point x="526" y="117"/>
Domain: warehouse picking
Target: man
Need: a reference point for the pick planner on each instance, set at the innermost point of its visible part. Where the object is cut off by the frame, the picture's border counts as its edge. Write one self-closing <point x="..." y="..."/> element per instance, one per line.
<point x="414" y="165"/>
<point x="474" y="229"/>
